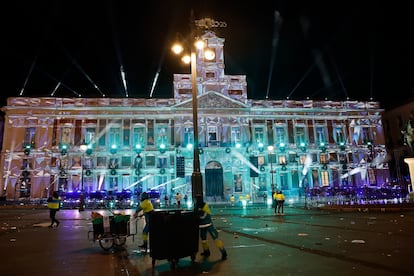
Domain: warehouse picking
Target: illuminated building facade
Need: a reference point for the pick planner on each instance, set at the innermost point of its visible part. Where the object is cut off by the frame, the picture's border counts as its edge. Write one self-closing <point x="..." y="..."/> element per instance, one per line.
<point x="247" y="147"/>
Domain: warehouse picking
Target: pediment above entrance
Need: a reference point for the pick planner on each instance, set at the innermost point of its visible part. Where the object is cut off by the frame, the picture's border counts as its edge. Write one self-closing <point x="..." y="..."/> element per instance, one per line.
<point x="213" y="99"/>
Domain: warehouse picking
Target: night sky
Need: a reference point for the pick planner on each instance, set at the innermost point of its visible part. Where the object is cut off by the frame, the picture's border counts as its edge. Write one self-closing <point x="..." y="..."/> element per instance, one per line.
<point x="298" y="49"/>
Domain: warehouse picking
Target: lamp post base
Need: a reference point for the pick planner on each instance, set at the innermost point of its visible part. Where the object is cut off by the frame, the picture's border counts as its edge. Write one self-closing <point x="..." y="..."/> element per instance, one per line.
<point x="81" y="202"/>
<point x="197" y="185"/>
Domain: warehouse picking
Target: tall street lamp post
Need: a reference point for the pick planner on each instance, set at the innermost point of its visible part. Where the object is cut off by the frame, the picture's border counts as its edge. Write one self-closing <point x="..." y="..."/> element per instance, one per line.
<point x="83" y="148"/>
<point x="197" y="45"/>
<point x="196" y="177"/>
<point x="272" y="171"/>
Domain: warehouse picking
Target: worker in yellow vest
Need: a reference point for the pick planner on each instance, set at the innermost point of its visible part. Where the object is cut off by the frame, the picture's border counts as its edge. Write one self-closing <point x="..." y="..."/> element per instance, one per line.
<point x="53" y="203"/>
<point x="232" y="200"/>
<point x="280" y="199"/>
<point x="247" y="198"/>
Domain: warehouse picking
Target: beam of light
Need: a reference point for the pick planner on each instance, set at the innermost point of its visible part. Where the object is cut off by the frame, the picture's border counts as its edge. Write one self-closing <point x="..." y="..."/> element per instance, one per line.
<point x="371" y="79"/>
<point x="362" y="170"/>
<point x="301" y="80"/>
<point x="155" y="80"/>
<point x="338" y="75"/>
<point x="117" y="48"/>
<point x="124" y="81"/>
<point x="73" y="91"/>
<point x="67" y="87"/>
<point x="276" y="25"/>
<point x="165" y="183"/>
<point x="140" y="180"/>
<point x="54" y="90"/>
<point x="10" y="162"/>
<point x="244" y="160"/>
<point x="56" y="80"/>
<point x="154" y="83"/>
<point x="101" y="179"/>
<point x="178" y="187"/>
<point x="306" y="165"/>
<point x="28" y="76"/>
<point x="74" y="62"/>
<point x="318" y="56"/>
<point x="52" y="183"/>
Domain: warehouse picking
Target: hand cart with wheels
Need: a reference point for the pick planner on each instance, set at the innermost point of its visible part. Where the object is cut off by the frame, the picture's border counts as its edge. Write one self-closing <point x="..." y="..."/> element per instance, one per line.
<point x="174" y="234"/>
<point x="110" y="231"/>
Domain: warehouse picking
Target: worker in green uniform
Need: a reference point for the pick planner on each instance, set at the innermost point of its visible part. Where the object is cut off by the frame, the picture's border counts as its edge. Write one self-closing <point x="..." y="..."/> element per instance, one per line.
<point x="147" y="208"/>
<point x="206" y="226"/>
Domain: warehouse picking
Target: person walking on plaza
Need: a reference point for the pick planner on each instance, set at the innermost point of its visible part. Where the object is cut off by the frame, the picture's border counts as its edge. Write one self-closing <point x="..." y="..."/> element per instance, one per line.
<point x="265" y="198"/>
<point x="185" y="199"/>
<point x="147" y="208"/>
<point x="53" y="203"/>
<point x="280" y="200"/>
<point x="247" y="198"/>
<point x="232" y="200"/>
<point x="178" y="199"/>
<point x="274" y="201"/>
<point x="206" y="226"/>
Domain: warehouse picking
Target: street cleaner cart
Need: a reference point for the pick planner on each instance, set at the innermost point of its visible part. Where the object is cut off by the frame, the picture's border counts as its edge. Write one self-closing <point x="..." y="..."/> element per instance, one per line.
<point x="174" y="234"/>
<point x="111" y="230"/>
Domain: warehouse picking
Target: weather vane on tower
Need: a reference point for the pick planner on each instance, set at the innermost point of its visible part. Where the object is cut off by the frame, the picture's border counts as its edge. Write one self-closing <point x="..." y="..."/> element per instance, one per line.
<point x="209" y="23"/>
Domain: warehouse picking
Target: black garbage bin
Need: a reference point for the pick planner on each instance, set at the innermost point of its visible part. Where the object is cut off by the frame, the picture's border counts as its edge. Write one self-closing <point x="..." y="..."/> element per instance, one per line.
<point x="174" y="234"/>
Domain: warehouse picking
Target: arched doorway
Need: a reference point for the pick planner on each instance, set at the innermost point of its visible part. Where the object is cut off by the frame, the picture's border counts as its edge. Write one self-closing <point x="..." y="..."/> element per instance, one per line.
<point x="214" y="187"/>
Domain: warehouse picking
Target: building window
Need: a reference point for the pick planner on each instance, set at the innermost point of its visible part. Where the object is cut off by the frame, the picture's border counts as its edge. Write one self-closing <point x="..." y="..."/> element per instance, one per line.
<point x="235" y="135"/>
<point x="323" y="158"/>
<point x="150" y="161"/>
<point x="333" y="157"/>
<point x="138" y="136"/>
<point x="162" y="162"/>
<point x="235" y="92"/>
<point x="66" y="136"/>
<point x="114" y="136"/>
<point x="29" y="138"/>
<point x="280" y="134"/>
<point x="238" y="183"/>
<point x="339" y="135"/>
<point x="185" y="91"/>
<point x="300" y="135"/>
<point x="102" y="133"/>
<point x="126" y="136"/>
<point x="212" y="135"/>
<point x="188" y="136"/>
<point x="371" y="177"/>
<point x="162" y="135"/>
<point x="89" y="135"/>
<point x="150" y="135"/>
<point x="366" y="134"/>
<point x="210" y="75"/>
<point x="126" y="161"/>
<point x="284" y="181"/>
<point x="320" y="135"/>
<point x="302" y="159"/>
<point x="259" y="135"/>
<point x="325" y="178"/>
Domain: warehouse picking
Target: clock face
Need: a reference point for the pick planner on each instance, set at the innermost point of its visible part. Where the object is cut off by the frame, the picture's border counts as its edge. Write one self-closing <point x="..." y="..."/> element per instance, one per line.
<point x="209" y="54"/>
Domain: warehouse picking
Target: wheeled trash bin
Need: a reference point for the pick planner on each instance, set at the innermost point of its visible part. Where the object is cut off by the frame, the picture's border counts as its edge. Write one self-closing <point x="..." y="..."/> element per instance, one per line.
<point x="173" y="234"/>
